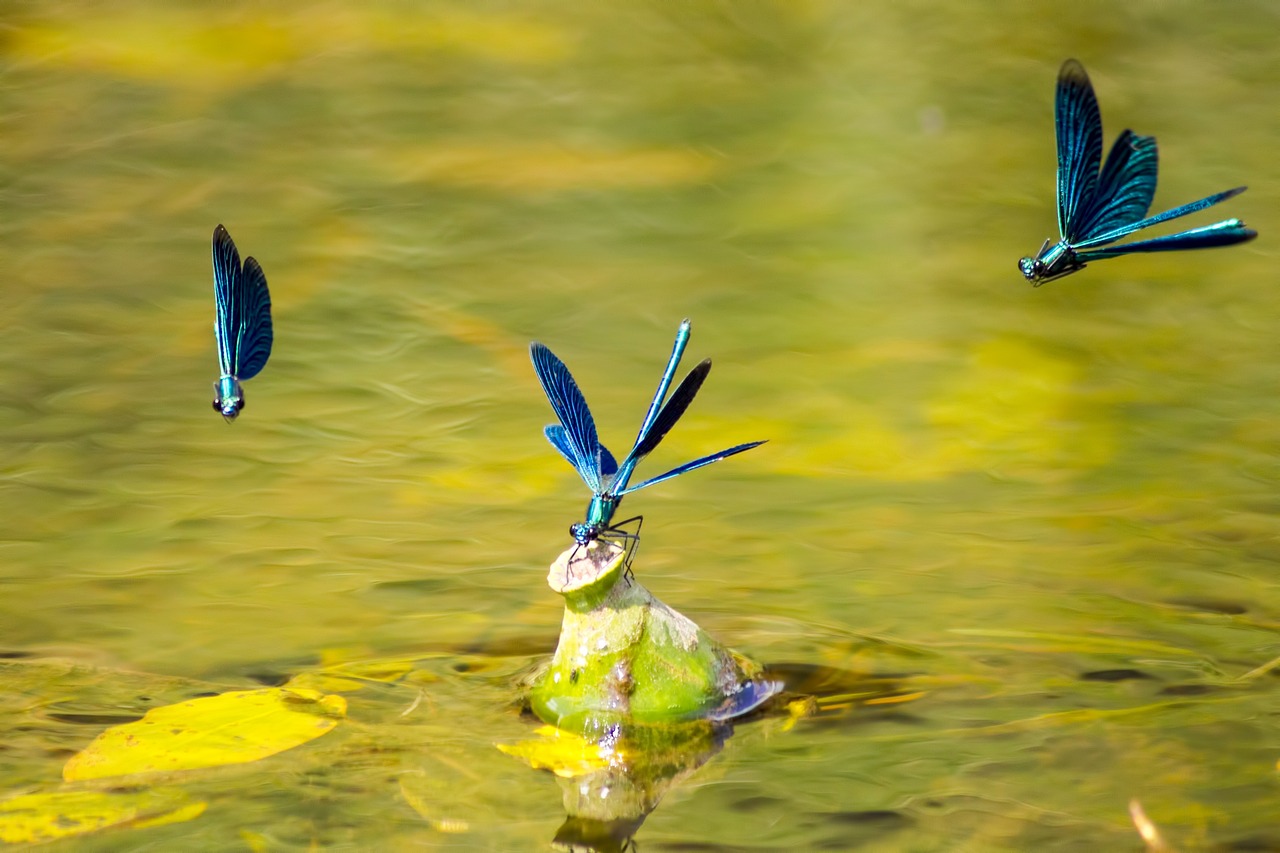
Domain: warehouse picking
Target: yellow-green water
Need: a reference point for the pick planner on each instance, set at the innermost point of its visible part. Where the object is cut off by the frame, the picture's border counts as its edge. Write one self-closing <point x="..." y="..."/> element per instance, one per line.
<point x="1052" y="510"/>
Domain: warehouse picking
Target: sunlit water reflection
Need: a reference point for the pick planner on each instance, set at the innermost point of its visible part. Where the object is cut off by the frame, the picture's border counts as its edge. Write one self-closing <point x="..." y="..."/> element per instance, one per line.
<point x="1053" y="510"/>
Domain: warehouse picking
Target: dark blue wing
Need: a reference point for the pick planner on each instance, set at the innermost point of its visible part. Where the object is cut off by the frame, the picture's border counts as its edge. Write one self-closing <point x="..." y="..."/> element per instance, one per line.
<point x="662" y="423"/>
<point x="1125" y="188"/>
<point x="254" y="346"/>
<point x="1225" y="233"/>
<point x="570" y="407"/>
<point x="226" y="280"/>
<point x="1182" y="210"/>
<point x="668" y="373"/>
<point x="1079" y="127"/>
<point x="689" y="466"/>
<point x="608" y="465"/>
<point x="242" y="319"/>
<point x="655" y="406"/>
<point x="673" y="410"/>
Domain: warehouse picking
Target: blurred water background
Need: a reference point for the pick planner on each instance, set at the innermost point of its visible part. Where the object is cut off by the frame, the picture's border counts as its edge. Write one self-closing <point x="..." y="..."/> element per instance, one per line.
<point x="1055" y="508"/>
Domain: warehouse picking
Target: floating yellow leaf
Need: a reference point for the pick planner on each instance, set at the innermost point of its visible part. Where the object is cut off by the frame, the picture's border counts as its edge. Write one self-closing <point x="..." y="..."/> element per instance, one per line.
<point x="35" y="818"/>
<point x="231" y="728"/>
<point x="562" y="753"/>
<point x="799" y="709"/>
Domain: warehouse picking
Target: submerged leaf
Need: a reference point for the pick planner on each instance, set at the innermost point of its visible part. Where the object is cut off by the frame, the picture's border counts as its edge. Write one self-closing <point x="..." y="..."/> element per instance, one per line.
<point x="563" y="753"/>
<point x="231" y="728"/>
<point x="35" y="818"/>
<point x="351" y="676"/>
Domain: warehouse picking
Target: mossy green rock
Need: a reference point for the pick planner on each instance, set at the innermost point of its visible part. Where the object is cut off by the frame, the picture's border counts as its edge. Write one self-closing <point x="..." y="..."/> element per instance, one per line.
<point x="624" y="657"/>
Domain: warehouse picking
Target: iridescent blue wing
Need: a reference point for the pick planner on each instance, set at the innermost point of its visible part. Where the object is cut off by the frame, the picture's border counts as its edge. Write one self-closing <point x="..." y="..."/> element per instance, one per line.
<point x="226" y="279"/>
<point x="242" y="320"/>
<point x="689" y="466"/>
<point x="668" y="373"/>
<point x="1182" y="210"/>
<point x="673" y="410"/>
<point x="579" y="435"/>
<point x="1125" y="188"/>
<point x="560" y="440"/>
<point x="1225" y="233"/>
<point x="254" y="346"/>
<point x="655" y="406"/>
<point x="662" y="423"/>
<point x="1079" y="127"/>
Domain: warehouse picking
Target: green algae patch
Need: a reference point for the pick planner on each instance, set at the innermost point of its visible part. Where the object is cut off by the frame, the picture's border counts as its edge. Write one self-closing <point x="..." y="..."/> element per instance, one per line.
<point x="626" y="658"/>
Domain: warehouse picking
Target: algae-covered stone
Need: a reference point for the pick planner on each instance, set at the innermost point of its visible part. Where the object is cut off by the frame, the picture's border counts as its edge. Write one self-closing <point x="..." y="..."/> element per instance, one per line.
<point x="625" y="657"/>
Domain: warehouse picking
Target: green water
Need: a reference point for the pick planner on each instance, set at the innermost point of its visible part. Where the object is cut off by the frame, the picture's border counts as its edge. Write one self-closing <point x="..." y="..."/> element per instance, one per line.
<point x="1053" y="512"/>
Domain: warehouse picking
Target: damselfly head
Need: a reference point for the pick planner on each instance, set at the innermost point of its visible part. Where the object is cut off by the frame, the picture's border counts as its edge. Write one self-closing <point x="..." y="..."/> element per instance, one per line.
<point x="231" y="408"/>
<point x="228" y="405"/>
<point x="1035" y="269"/>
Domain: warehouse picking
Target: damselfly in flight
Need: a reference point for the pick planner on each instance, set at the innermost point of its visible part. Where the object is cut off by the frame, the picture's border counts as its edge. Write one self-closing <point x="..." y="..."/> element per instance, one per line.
<point x="241" y="324"/>
<point x="576" y="439"/>
<point x="1096" y="209"/>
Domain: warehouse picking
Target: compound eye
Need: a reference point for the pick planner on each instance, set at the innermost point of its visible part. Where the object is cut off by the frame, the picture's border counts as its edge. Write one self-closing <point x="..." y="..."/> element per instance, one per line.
<point x="217" y="406"/>
<point x="239" y="405"/>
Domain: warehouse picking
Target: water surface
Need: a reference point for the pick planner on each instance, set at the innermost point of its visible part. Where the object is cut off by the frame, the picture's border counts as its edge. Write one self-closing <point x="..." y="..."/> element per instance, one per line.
<point x="1053" y="511"/>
